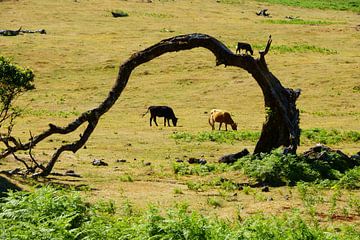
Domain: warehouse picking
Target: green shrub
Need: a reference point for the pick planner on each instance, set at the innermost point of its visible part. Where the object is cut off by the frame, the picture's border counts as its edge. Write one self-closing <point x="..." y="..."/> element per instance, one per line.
<point x="193" y="169"/>
<point x="277" y="168"/>
<point x="14" y="81"/>
<point x="351" y="179"/>
<point x="44" y="214"/>
<point x="48" y="213"/>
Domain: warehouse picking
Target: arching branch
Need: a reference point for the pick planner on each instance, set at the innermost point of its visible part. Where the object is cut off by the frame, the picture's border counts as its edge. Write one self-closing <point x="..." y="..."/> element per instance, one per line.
<point x="280" y="128"/>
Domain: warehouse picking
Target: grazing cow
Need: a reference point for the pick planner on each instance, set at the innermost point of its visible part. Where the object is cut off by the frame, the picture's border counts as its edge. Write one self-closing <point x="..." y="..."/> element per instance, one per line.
<point x="244" y="46"/>
<point x="162" y="111"/>
<point x="217" y="115"/>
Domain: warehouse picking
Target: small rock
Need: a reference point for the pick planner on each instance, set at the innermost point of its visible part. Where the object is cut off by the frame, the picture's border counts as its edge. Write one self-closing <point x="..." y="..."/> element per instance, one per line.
<point x="202" y="161"/>
<point x="270" y="199"/>
<point x="265" y="189"/>
<point x="98" y="162"/>
<point x="147" y="163"/>
<point x="179" y="160"/>
<point x="121" y="160"/>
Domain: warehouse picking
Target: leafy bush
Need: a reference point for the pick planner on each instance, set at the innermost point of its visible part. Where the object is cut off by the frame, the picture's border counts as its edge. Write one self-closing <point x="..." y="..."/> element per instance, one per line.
<point x="277" y="168"/>
<point x="44" y="214"/>
<point x="14" y="81"/>
<point x="351" y="179"/>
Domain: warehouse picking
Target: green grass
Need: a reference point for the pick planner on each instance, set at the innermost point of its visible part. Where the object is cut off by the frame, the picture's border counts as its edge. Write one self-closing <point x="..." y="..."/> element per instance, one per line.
<point x="332" y="136"/>
<point x="300" y="48"/>
<point x="48" y="213"/>
<point x="217" y="136"/>
<point x="194" y="169"/>
<point x="313" y="135"/>
<point x="346" y="5"/>
<point x="298" y="21"/>
<point x="43" y="112"/>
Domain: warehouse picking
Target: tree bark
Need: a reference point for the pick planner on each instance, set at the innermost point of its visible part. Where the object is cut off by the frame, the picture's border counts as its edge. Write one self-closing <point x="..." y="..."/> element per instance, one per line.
<point x="281" y="127"/>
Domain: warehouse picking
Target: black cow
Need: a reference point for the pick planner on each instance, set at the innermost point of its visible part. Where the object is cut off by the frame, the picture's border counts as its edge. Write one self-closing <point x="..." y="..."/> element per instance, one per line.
<point x="244" y="46"/>
<point x="162" y="111"/>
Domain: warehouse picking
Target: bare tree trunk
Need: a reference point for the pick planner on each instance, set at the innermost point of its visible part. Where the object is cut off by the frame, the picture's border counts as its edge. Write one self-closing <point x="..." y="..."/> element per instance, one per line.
<point x="280" y="129"/>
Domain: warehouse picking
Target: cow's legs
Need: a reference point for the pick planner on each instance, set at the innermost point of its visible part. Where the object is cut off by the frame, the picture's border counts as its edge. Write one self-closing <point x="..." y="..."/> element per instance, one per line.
<point x="225" y="127"/>
<point x="155" y="121"/>
<point x="220" y="125"/>
<point x="151" y="118"/>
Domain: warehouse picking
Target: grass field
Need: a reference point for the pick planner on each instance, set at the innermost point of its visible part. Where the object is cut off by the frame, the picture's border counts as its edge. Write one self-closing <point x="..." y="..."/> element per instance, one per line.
<point x="76" y="64"/>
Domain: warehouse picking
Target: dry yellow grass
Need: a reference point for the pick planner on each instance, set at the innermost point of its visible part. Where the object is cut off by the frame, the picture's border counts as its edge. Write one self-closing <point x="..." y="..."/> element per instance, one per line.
<point x="76" y="64"/>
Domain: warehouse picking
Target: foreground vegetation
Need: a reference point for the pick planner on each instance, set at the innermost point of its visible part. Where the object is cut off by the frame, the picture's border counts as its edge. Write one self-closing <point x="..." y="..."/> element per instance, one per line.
<point x="48" y="213"/>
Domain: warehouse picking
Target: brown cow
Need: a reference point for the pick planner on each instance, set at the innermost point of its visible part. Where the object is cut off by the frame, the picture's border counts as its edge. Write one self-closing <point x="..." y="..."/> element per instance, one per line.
<point x="220" y="116"/>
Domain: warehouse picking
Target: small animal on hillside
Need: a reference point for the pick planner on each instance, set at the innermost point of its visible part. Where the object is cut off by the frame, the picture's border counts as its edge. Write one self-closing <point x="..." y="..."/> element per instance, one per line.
<point x="263" y="12"/>
<point x="244" y="46"/>
<point x="162" y="111"/>
<point x="220" y="116"/>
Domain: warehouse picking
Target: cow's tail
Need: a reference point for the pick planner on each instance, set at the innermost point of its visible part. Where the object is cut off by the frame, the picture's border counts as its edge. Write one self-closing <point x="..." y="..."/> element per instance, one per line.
<point x="146" y="112"/>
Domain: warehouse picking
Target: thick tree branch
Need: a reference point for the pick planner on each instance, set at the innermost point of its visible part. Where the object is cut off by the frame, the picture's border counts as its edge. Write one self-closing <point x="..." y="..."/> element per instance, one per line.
<point x="276" y="97"/>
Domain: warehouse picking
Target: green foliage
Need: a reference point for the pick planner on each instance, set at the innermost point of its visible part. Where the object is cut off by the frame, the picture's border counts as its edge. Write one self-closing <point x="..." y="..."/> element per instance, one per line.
<point x="218" y="136"/>
<point x="351" y="179"/>
<point x="126" y="178"/>
<point x="351" y="5"/>
<point x="315" y="135"/>
<point x="47" y="213"/>
<point x="44" y="214"/>
<point x="214" y="202"/>
<point x="14" y="81"/>
<point x="196" y="186"/>
<point x="332" y="136"/>
<point x="193" y="169"/>
<point x="277" y="168"/>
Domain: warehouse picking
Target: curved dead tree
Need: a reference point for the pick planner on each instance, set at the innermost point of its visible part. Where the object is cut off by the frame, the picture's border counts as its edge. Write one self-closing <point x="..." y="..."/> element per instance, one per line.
<point x="281" y="127"/>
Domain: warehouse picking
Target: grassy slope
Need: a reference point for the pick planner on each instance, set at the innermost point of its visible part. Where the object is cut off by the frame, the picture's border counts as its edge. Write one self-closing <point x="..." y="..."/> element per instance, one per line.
<point x="76" y="64"/>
